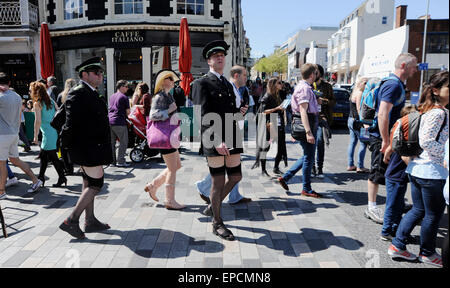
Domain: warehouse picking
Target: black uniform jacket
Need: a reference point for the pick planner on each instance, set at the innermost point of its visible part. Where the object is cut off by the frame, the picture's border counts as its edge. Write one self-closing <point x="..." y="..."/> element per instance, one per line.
<point x="216" y="97"/>
<point x="86" y="133"/>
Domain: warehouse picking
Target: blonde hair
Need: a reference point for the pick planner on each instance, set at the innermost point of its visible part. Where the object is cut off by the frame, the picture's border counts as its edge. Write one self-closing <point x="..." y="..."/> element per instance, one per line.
<point x="70" y="83"/>
<point x="359" y="88"/>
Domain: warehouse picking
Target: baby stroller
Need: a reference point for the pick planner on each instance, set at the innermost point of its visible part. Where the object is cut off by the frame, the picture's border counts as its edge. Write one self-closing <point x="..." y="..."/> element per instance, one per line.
<point x="137" y="124"/>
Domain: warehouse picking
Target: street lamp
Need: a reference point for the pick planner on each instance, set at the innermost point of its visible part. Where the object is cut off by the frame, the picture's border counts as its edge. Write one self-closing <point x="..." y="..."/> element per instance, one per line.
<point x="424" y="47"/>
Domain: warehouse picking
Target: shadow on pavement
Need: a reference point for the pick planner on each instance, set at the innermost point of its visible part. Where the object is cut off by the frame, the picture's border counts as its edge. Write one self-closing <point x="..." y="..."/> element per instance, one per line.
<point x="317" y="240"/>
<point x="144" y="243"/>
<point x="356" y="198"/>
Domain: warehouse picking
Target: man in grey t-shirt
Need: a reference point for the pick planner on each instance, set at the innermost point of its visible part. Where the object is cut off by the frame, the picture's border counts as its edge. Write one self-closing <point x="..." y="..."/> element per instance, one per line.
<point x="10" y="108"/>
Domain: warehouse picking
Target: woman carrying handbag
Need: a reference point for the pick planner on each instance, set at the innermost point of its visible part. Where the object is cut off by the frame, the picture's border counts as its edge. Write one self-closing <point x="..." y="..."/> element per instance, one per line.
<point x="163" y="132"/>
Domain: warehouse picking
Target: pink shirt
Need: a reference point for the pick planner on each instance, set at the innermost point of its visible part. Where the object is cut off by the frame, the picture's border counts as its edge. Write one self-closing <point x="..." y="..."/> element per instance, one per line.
<point x="304" y="94"/>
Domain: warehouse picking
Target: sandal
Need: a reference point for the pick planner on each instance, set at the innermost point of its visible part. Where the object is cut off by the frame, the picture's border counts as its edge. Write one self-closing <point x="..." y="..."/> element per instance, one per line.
<point x="72" y="228"/>
<point x="362" y="170"/>
<point x="220" y="230"/>
<point x="95" y="226"/>
<point x="350" y="169"/>
<point x="150" y="189"/>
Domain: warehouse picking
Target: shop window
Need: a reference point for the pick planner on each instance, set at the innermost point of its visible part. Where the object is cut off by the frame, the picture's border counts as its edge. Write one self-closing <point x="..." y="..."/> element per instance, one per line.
<point x="155" y="58"/>
<point x="437" y="43"/>
<point x="191" y="7"/>
<point x="73" y="9"/>
<point x="128" y="7"/>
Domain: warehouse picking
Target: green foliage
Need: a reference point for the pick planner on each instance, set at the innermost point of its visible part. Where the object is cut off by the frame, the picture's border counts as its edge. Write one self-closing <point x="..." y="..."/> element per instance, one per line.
<point x="277" y="62"/>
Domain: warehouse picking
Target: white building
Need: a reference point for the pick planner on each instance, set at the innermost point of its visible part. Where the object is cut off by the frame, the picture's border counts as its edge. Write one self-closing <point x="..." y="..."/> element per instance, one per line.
<point x="346" y="46"/>
<point x="299" y="46"/>
<point x="317" y="54"/>
<point x="19" y="42"/>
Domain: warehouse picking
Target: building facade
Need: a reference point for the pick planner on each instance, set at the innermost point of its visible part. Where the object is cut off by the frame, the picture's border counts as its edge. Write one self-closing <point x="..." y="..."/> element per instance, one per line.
<point x="299" y="46"/>
<point x="407" y="37"/>
<point x="19" y="42"/>
<point x="134" y="38"/>
<point x="346" y="46"/>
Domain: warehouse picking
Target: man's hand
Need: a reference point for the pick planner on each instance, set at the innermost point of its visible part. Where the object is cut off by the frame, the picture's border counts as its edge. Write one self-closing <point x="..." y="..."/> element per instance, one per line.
<point x="384" y="146"/>
<point x="3" y="88"/>
<point x="387" y="155"/>
<point x="222" y="149"/>
<point x="310" y="138"/>
<point x="244" y="109"/>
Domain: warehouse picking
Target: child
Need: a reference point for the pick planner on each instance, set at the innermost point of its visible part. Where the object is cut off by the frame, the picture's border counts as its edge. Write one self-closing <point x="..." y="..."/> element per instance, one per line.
<point x="396" y="186"/>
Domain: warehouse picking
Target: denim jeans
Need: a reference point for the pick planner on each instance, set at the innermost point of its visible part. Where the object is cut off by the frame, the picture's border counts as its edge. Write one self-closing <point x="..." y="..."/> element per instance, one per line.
<point x="306" y="162"/>
<point x="395" y="203"/>
<point x="320" y="144"/>
<point x="354" y="138"/>
<point x="204" y="188"/>
<point x="10" y="173"/>
<point x="429" y="205"/>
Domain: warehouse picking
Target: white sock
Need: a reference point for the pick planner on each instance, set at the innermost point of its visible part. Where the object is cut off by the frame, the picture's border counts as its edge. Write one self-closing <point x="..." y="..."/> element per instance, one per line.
<point x="372" y="205"/>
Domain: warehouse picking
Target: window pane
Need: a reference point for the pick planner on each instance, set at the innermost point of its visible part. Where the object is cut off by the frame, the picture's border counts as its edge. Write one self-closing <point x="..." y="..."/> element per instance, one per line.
<point x="200" y="10"/>
<point x="190" y="1"/>
<point x="190" y="9"/>
<point x="119" y="9"/>
<point x="181" y="9"/>
<point x="138" y="8"/>
<point x="128" y="8"/>
<point x="200" y="2"/>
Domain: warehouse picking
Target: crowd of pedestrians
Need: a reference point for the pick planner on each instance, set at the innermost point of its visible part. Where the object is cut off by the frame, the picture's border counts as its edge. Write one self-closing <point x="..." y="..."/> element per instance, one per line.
<point x="309" y="105"/>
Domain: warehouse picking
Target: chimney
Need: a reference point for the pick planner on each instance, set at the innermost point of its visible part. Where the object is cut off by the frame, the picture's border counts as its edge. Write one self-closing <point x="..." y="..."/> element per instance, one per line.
<point x="400" y="18"/>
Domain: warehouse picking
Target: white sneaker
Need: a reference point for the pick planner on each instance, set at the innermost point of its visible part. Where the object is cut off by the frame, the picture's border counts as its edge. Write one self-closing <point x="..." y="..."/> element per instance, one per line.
<point x="34" y="187"/>
<point x="11" y="182"/>
<point x="375" y="214"/>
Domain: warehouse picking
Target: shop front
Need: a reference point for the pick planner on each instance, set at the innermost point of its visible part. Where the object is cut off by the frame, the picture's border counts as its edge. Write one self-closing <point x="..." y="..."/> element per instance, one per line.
<point x="130" y="52"/>
<point x="22" y="70"/>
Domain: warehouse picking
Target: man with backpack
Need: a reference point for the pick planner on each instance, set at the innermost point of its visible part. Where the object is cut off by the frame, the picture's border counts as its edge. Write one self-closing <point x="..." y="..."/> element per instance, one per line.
<point x="390" y="100"/>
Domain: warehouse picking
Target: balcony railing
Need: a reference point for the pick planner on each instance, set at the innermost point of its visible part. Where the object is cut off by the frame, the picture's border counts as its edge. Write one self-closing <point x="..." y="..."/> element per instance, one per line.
<point x="18" y="14"/>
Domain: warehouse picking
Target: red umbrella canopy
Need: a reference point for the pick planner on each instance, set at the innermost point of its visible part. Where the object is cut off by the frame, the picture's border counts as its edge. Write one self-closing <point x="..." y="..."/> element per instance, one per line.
<point x="185" y="61"/>
<point x="46" y="52"/>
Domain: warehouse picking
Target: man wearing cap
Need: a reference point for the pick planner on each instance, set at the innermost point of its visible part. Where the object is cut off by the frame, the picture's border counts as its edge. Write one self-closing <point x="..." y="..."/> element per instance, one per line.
<point x="86" y="136"/>
<point x="221" y="143"/>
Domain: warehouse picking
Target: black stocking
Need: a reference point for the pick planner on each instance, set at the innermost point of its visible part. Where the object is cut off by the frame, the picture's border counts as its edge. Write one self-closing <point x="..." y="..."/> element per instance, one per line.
<point x="218" y="183"/>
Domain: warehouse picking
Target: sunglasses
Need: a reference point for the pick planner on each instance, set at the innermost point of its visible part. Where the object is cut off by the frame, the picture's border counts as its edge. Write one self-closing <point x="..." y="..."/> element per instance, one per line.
<point x="97" y="72"/>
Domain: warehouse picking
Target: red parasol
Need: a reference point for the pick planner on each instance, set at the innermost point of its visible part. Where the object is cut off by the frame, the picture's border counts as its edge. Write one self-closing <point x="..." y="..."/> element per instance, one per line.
<point x="185" y="61"/>
<point x="46" y="52"/>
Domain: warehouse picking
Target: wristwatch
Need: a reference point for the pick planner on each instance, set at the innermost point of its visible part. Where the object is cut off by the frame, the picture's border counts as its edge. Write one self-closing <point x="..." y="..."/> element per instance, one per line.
<point x="308" y="132"/>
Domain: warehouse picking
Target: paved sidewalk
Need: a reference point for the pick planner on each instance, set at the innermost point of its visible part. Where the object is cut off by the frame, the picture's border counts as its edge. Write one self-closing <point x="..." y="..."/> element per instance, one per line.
<point x="277" y="229"/>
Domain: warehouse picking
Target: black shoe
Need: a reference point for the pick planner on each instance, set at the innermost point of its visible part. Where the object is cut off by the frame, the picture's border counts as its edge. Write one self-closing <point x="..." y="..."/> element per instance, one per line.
<point x="61" y="181"/>
<point x="220" y="230"/>
<point x="27" y="149"/>
<point x="283" y="183"/>
<point x="313" y="172"/>
<point x="256" y="165"/>
<point x="208" y="211"/>
<point x="204" y="198"/>
<point x="72" y="228"/>
<point x="95" y="226"/>
<point x="277" y="171"/>
<point x="265" y="174"/>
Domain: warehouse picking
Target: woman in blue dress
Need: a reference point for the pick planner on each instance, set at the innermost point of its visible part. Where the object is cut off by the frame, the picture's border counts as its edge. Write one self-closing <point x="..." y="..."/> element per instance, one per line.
<point x="44" y="110"/>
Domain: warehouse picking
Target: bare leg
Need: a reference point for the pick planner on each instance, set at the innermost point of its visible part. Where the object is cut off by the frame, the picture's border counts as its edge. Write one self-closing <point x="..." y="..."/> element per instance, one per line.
<point x="25" y="168"/>
<point x="173" y="163"/>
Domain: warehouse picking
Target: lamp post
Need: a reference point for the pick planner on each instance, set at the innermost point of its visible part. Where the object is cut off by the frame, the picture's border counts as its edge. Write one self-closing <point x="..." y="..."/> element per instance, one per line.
<point x="424" y="46"/>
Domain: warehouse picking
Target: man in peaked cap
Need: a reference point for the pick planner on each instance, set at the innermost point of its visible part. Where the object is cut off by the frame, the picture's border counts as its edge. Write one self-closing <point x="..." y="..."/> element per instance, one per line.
<point x="215" y="47"/>
<point x="214" y="95"/>
<point x="86" y="135"/>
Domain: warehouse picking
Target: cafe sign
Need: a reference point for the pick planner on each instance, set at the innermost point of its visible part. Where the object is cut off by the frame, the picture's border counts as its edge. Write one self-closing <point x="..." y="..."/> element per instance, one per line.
<point x="127" y="37"/>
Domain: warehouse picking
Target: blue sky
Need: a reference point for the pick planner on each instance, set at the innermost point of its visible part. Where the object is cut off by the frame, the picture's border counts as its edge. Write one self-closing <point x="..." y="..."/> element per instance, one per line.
<point x="272" y="22"/>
